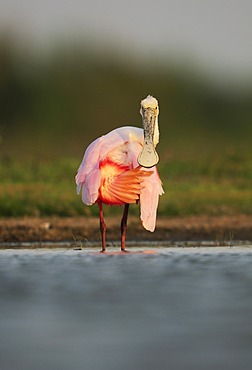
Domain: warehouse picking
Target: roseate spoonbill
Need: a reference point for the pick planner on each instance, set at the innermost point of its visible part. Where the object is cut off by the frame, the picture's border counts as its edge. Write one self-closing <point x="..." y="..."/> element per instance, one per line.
<point x="119" y="168"/>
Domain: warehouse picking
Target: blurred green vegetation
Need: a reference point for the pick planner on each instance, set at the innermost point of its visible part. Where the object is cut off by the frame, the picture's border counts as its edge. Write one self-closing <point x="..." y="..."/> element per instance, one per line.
<point x="46" y="187"/>
<point x="54" y="104"/>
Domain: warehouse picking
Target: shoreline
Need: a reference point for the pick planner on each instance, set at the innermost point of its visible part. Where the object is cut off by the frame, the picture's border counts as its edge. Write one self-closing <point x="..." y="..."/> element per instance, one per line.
<point x="221" y="230"/>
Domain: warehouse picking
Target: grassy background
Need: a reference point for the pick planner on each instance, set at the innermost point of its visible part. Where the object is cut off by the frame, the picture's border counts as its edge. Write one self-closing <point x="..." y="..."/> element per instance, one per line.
<point x="53" y="106"/>
<point x="214" y="186"/>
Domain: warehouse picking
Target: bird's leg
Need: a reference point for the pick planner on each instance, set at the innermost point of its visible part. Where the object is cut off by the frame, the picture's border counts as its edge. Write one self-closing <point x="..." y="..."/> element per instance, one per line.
<point x="103" y="228"/>
<point x="124" y="226"/>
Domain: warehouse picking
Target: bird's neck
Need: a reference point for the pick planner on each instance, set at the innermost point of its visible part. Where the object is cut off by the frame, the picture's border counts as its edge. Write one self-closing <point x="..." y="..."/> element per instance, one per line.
<point x="156" y="133"/>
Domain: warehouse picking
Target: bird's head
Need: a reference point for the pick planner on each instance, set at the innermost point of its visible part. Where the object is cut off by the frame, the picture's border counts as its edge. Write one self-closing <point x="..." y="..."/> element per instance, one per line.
<point x="149" y="111"/>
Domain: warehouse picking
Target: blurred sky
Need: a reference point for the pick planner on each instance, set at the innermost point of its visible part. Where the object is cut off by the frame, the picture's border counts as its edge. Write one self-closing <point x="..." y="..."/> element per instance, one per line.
<point x="215" y="33"/>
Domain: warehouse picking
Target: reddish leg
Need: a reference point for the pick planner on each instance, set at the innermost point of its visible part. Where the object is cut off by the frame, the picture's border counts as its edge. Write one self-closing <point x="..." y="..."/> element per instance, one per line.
<point x="102" y="228"/>
<point x="124" y="226"/>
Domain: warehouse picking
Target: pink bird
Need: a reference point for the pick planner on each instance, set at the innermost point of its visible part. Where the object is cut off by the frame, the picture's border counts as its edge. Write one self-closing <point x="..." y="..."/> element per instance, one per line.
<point x="119" y="168"/>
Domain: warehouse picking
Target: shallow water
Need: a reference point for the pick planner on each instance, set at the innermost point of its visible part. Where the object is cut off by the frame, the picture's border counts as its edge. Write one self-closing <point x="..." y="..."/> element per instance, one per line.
<point x="177" y="308"/>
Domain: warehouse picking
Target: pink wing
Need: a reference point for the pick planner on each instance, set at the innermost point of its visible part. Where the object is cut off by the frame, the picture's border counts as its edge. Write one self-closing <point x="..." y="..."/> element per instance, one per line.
<point x="88" y="176"/>
<point x="149" y="197"/>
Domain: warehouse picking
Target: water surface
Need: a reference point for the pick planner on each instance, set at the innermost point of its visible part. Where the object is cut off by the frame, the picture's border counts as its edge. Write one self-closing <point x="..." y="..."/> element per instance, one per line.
<point x="178" y="308"/>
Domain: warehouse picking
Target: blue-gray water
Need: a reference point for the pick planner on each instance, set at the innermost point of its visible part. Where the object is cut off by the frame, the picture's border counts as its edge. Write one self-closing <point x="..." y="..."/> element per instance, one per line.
<point x="180" y="308"/>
